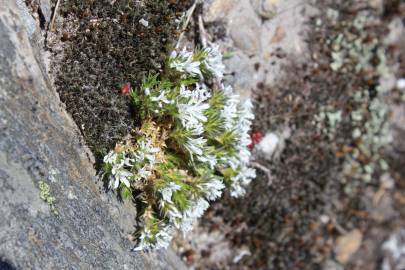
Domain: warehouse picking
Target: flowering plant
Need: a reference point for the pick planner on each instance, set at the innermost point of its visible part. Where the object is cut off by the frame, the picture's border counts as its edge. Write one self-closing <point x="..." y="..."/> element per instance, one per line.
<point x="191" y="146"/>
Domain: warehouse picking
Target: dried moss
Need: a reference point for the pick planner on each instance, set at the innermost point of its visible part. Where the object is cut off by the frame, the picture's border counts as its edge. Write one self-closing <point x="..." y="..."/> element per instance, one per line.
<point x="108" y="48"/>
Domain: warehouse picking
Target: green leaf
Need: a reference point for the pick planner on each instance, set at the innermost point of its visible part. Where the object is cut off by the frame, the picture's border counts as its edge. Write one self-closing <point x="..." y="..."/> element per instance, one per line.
<point x="125" y="192"/>
<point x="179" y="198"/>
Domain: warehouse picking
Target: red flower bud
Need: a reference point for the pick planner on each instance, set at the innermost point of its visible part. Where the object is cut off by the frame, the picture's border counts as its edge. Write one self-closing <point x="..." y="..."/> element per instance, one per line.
<point x="256" y="138"/>
<point x="125" y="89"/>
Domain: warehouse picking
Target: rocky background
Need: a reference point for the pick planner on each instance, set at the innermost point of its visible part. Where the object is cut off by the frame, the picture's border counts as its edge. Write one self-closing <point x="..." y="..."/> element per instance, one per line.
<point x="326" y="78"/>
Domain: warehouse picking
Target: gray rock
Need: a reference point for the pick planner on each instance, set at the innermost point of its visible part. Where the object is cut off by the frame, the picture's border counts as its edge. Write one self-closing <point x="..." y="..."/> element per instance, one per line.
<point x="265" y="8"/>
<point x="40" y="142"/>
<point x="25" y="16"/>
<point x="260" y="48"/>
<point x="243" y="75"/>
<point x="45" y="6"/>
<point x="217" y="10"/>
<point x="332" y="265"/>
<point x="244" y="28"/>
<point x="394" y="251"/>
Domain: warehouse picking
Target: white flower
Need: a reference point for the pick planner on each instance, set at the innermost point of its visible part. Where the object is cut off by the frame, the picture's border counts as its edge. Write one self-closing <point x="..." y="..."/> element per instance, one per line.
<point x="149" y="241"/>
<point x="144" y="240"/>
<point x="241" y="180"/>
<point x="213" y="189"/>
<point x="210" y="159"/>
<point x="161" y="99"/>
<point x="196" y="210"/>
<point x="237" y="191"/>
<point x="183" y="62"/>
<point x="117" y="166"/>
<point x="175" y="217"/>
<point x="147" y="91"/>
<point x="147" y="147"/>
<point x="193" y="67"/>
<point x="163" y="239"/>
<point x="213" y="62"/>
<point x="232" y="162"/>
<point x="143" y="173"/>
<point x="120" y="176"/>
<point x="230" y="111"/>
<point x="246" y="110"/>
<point x="195" y="145"/>
<point x="244" y="155"/>
<point x="110" y="158"/>
<point x="191" y="106"/>
<point x="191" y="115"/>
<point x="128" y="161"/>
<point x="147" y="151"/>
<point x="168" y="191"/>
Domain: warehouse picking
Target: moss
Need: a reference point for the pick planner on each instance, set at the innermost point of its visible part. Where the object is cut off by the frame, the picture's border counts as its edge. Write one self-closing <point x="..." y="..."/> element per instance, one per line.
<point x="108" y="48"/>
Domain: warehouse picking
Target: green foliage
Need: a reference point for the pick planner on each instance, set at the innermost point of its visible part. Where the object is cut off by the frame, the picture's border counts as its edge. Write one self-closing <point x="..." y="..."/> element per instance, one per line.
<point x="191" y="145"/>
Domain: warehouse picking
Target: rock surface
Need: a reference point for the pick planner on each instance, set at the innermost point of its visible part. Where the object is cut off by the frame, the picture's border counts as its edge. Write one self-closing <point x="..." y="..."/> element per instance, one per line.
<point x="40" y="142"/>
<point x="261" y="36"/>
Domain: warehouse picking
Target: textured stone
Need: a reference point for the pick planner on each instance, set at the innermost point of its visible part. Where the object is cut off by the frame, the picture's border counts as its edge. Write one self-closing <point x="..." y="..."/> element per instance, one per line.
<point x="265" y="8"/>
<point x="218" y="10"/>
<point x="260" y="47"/>
<point x="45" y="6"/>
<point x="40" y="142"/>
<point x="244" y="28"/>
<point x="243" y="75"/>
<point x="347" y="245"/>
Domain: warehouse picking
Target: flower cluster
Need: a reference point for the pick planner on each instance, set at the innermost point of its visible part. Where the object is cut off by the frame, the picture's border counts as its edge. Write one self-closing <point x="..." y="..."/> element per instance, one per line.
<point x="193" y="144"/>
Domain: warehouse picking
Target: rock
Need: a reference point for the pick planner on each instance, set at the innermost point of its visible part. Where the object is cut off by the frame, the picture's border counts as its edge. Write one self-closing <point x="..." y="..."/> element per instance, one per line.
<point x="332" y="265"/>
<point x="144" y="22"/>
<point x="45" y="6"/>
<point x="347" y="245"/>
<point x="260" y="49"/>
<point x="40" y="142"/>
<point x="243" y="76"/>
<point x="265" y="8"/>
<point x="244" y="28"/>
<point x="217" y="10"/>
<point x="283" y="37"/>
<point x="400" y="84"/>
<point x="269" y="144"/>
<point x="394" y="251"/>
<point x="25" y="16"/>
<point x="272" y="145"/>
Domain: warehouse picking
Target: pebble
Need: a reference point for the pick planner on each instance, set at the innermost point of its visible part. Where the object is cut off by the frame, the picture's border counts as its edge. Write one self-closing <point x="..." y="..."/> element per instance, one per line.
<point x="269" y="144"/>
<point x="144" y="22"/>
<point x="265" y="8"/>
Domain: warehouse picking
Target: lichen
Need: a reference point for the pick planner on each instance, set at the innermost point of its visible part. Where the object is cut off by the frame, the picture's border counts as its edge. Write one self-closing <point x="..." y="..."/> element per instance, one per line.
<point x="355" y="51"/>
<point x="46" y="196"/>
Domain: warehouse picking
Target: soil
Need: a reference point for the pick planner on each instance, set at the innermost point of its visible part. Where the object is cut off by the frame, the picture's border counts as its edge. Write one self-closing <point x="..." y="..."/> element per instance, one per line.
<point x="298" y="220"/>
